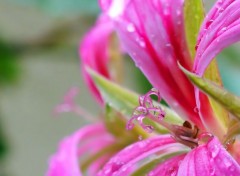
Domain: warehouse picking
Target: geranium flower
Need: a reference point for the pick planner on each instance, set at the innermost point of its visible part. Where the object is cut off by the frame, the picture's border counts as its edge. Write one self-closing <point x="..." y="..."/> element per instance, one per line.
<point x="153" y="34"/>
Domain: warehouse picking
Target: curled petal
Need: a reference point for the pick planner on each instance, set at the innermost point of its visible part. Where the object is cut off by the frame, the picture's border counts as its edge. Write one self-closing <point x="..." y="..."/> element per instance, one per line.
<point x="157" y="48"/>
<point x="66" y="161"/>
<point x="209" y="159"/>
<point x="94" y="52"/>
<point x="220" y="29"/>
<point x="126" y="160"/>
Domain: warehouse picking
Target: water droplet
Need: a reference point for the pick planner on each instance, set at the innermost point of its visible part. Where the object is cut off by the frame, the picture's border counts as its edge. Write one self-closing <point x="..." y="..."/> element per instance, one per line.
<point x="196" y="110"/>
<point x="151" y="173"/>
<point x="142" y="144"/>
<point x="168" y="45"/>
<point x="130" y="27"/>
<point x="205" y="138"/>
<point x="149" y="128"/>
<point x="214" y="151"/>
<point x="178" y="12"/>
<point x="196" y="47"/>
<point x="140" y="138"/>
<point x="208" y="23"/>
<point x="141" y="42"/>
<point x="224" y="28"/>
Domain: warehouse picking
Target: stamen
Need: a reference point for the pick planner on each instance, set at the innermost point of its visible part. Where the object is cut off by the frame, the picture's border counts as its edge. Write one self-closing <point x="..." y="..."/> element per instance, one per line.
<point x="147" y="109"/>
<point x="185" y="134"/>
<point x="69" y="105"/>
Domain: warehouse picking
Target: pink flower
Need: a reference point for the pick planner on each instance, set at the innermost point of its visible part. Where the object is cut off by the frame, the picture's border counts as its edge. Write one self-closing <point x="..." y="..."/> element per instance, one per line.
<point x="88" y="140"/>
<point x="94" y="52"/>
<point x="153" y="34"/>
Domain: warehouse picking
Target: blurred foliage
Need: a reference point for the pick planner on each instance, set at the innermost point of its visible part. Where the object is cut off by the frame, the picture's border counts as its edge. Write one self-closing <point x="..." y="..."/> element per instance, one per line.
<point x="229" y="64"/>
<point x="3" y="143"/>
<point x="8" y="64"/>
<point x="69" y="7"/>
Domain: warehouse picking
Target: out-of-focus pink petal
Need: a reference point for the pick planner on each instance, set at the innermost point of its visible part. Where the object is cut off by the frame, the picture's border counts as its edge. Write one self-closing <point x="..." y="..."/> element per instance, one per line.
<point x="94" y="52"/>
<point x="168" y="167"/>
<point x="209" y="159"/>
<point x="66" y="161"/>
<point x="153" y="34"/>
<point x="126" y="159"/>
<point x="220" y="28"/>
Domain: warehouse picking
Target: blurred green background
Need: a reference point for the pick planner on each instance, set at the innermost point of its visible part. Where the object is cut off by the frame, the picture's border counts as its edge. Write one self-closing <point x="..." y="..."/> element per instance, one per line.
<point x="39" y="61"/>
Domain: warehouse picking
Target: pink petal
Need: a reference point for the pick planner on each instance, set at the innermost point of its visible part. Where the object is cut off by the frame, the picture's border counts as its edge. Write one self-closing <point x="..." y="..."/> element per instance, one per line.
<point x="153" y="34"/>
<point x="219" y="30"/>
<point x="66" y="161"/>
<point x="125" y="161"/>
<point x="94" y="52"/>
<point x="209" y="159"/>
<point x="169" y="167"/>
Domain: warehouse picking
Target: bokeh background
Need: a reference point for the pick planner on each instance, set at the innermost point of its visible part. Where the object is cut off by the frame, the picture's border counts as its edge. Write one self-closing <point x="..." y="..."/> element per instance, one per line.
<point x="39" y="62"/>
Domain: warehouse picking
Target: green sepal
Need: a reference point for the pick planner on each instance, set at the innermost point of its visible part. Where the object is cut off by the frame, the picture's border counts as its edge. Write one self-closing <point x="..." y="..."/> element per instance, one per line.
<point x="193" y="17"/>
<point x="125" y="101"/>
<point x="229" y="101"/>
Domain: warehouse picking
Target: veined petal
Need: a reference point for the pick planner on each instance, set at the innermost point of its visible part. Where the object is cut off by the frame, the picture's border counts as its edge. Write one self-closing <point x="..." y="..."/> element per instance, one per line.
<point x="209" y="159"/>
<point x="169" y="167"/>
<point x="66" y="161"/>
<point x="220" y="29"/>
<point x="153" y="35"/>
<point x="126" y="159"/>
<point x="94" y="52"/>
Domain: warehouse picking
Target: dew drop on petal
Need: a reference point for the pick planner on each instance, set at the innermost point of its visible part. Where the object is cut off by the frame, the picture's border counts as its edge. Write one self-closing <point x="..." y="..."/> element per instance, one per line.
<point x="214" y="151"/>
<point x="224" y="28"/>
<point x="149" y="128"/>
<point x="130" y="27"/>
<point x="205" y="138"/>
<point x="140" y="138"/>
<point x="196" y="110"/>
<point x="150" y="173"/>
<point x="178" y="12"/>
<point x="168" y="45"/>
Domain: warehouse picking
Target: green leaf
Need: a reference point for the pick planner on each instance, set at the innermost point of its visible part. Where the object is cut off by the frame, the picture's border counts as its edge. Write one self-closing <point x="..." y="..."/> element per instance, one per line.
<point x="229" y="101"/>
<point x="126" y="101"/>
<point x="193" y="17"/>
